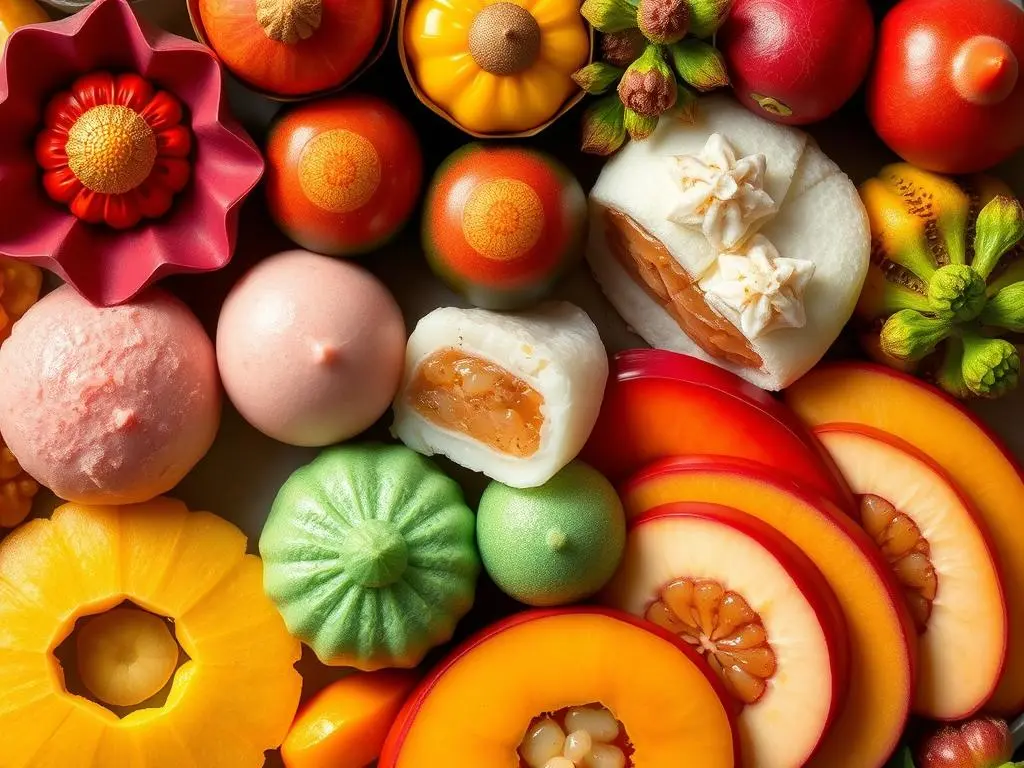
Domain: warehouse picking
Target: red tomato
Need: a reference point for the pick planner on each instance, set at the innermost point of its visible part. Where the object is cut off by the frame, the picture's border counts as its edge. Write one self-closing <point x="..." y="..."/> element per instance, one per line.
<point x="945" y="93"/>
<point x="343" y="174"/>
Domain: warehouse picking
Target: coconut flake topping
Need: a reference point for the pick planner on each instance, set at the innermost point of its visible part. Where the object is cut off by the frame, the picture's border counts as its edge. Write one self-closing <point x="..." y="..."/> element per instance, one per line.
<point x="722" y="196"/>
<point x="764" y="289"/>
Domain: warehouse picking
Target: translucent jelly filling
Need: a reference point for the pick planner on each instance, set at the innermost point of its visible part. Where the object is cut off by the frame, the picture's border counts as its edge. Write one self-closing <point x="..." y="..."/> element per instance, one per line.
<point x="473" y="396"/>
<point x="576" y="737"/>
<point x="723" y="627"/>
<point x="907" y="551"/>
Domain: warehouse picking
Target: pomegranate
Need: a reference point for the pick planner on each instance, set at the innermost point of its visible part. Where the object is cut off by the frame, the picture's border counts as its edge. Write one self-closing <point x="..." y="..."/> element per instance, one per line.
<point x="797" y="61"/>
<point x="946" y="92"/>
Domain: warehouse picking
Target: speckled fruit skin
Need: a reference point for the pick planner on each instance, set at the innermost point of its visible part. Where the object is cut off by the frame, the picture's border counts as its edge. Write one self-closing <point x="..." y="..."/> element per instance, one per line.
<point x="810" y="55"/>
<point x="376" y="220"/>
<point x="503" y="283"/>
<point x="913" y="100"/>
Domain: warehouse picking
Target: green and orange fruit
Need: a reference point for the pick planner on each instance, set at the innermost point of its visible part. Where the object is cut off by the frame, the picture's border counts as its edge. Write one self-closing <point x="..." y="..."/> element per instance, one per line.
<point x="503" y="224"/>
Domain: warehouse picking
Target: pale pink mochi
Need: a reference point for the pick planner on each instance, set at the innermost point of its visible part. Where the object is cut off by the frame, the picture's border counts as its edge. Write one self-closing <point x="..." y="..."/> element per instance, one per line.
<point x="310" y="348"/>
<point x="108" y="406"/>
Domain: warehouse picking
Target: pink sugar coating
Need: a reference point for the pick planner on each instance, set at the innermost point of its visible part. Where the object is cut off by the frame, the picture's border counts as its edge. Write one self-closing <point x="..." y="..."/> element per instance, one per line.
<point x="310" y="348"/>
<point x="108" y="406"/>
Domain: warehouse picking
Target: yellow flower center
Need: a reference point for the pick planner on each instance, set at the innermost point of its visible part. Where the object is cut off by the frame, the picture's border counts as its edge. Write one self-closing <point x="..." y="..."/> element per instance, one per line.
<point x="339" y="171"/>
<point x="111" y="149"/>
<point x="503" y="219"/>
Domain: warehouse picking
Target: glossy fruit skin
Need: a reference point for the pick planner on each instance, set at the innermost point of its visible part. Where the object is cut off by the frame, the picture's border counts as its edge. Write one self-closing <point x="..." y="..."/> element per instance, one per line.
<point x="617" y="686"/>
<point x="353" y="542"/>
<point x="660" y="404"/>
<point x="345" y="38"/>
<point x="981" y="742"/>
<point x="345" y="724"/>
<point x="913" y="99"/>
<point x="808" y="55"/>
<point x="514" y="527"/>
<point x="388" y="207"/>
<point x="503" y="283"/>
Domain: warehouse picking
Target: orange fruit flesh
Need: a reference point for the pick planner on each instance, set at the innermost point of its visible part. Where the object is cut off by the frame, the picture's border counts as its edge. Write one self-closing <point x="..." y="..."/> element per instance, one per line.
<point x="548" y="661"/>
<point x="17" y="489"/>
<point x="126" y="656"/>
<point x="720" y="623"/>
<point x="344" y="726"/>
<point x="870" y="724"/>
<point x="980" y="468"/>
<point x="477" y="398"/>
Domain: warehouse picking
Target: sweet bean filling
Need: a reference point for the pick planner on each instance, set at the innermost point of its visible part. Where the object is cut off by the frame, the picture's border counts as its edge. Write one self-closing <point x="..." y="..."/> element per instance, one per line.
<point x="477" y="398"/>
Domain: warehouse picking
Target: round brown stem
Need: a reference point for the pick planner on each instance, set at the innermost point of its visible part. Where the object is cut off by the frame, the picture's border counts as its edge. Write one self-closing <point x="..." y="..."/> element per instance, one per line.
<point x="289" y="21"/>
<point x="504" y="39"/>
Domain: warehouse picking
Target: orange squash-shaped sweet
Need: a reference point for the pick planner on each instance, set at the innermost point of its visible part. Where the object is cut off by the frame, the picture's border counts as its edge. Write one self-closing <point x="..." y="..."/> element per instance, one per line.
<point x="291" y="48"/>
<point x="344" y="726"/>
<point x="18" y="13"/>
<point x="343" y="174"/>
<point x="232" y="700"/>
<point x="481" y="704"/>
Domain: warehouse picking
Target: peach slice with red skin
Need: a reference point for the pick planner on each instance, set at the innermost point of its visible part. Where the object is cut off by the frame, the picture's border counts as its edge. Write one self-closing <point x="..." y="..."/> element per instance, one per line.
<point x="931" y="536"/>
<point x="759" y="610"/>
<point x="660" y="404"/>
<point x="476" y="708"/>
<point x="975" y="460"/>
<point x="882" y="639"/>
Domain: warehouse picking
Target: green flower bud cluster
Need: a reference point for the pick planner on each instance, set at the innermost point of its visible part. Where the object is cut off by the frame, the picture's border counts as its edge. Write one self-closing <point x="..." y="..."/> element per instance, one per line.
<point x="654" y="59"/>
<point x="966" y="313"/>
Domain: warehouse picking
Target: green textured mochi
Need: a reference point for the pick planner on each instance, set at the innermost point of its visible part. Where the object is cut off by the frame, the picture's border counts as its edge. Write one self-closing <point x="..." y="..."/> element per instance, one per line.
<point x="370" y="555"/>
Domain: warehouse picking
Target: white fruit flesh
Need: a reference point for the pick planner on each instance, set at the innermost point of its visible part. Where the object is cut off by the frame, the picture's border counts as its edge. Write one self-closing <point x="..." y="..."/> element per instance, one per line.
<point x="788" y="720"/>
<point x="553" y="356"/>
<point x="963" y="647"/>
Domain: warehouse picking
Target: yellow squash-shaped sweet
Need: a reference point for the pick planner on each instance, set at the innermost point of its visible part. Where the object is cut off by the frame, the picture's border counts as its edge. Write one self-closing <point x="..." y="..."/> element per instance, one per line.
<point x="233" y="699"/>
<point x="495" y="66"/>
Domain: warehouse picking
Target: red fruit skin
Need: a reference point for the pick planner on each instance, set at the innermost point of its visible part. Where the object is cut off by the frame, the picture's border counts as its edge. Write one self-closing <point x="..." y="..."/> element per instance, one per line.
<point x="809" y="55"/>
<point x="913" y="99"/>
<point x="982" y="742"/>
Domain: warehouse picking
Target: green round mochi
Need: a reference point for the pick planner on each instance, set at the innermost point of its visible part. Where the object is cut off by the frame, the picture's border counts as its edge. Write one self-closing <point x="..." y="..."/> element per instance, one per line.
<point x="369" y="554"/>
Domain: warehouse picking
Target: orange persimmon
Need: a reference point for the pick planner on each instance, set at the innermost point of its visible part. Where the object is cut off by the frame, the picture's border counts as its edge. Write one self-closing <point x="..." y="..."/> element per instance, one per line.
<point x="344" y="726"/>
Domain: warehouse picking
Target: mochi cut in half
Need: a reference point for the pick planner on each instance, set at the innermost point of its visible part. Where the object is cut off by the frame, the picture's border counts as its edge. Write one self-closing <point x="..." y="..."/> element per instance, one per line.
<point x="764" y="290"/>
<point x="513" y="396"/>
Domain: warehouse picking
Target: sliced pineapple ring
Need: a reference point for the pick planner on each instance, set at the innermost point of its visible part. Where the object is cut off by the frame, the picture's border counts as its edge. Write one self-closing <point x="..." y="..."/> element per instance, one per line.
<point x="233" y="700"/>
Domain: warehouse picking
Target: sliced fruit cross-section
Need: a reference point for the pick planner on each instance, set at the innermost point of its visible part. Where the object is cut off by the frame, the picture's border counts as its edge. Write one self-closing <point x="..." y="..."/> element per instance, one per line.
<point x="930" y="535"/>
<point x="756" y="607"/>
<point x="979" y="466"/>
<point x="542" y="663"/>
<point x="882" y="640"/>
<point x="233" y="699"/>
<point x="661" y="404"/>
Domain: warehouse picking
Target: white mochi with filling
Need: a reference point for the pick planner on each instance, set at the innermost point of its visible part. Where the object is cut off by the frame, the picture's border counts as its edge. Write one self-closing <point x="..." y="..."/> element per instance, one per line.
<point x="788" y="308"/>
<point x="554" y="349"/>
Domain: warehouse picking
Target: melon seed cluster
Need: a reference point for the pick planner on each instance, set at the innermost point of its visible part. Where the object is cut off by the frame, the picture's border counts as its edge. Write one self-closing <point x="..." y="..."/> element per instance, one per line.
<point x="655" y="54"/>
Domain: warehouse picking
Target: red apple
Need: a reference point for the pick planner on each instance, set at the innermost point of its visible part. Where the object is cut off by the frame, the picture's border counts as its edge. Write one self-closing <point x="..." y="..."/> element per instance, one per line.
<point x="797" y="62"/>
<point x="946" y="92"/>
<point x="759" y="610"/>
<point x="660" y="404"/>
<point x="983" y="742"/>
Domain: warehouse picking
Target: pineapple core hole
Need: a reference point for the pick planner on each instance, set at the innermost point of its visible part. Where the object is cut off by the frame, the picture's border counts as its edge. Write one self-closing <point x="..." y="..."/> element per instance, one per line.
<point x="907" y="551"/>
<point x="721" y="626"/>
<point x="576" y="737"/>
<point x="477" y="398"/>
<point x="123" y="659"/>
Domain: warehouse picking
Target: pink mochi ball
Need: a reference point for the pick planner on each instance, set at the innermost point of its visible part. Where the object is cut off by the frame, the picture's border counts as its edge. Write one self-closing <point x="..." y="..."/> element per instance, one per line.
<point x="108" y="405"/>
<point x="310" y="348"/>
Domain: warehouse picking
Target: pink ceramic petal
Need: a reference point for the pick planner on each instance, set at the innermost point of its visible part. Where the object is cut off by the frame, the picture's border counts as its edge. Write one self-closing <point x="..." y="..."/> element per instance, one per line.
<point x="105" y="266"/>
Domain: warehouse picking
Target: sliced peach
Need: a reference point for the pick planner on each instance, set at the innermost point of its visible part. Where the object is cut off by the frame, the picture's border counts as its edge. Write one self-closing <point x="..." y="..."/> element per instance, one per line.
<point x="881" y="634"/>
<point x="930" y="535"/>
<point x="525" y="684"/>
<point x="660" y="404"/>
<point x="979" y="465"/>
<point x="745" y="597"/>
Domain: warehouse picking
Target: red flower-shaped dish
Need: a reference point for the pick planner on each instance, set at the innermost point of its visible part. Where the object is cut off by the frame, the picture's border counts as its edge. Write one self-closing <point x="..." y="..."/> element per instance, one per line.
<point x="105" y="264"/>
